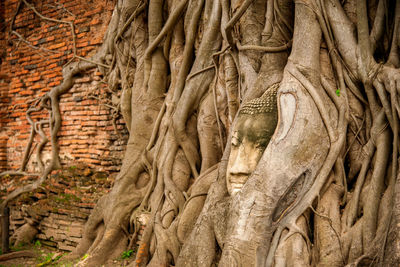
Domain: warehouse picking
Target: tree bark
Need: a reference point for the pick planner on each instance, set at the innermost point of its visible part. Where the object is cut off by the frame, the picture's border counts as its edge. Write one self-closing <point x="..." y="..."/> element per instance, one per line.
<point x="325" y="190"/>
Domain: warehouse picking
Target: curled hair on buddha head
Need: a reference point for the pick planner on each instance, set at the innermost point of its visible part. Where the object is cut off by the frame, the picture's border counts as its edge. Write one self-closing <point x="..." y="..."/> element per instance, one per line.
<point x="263" y="104"/>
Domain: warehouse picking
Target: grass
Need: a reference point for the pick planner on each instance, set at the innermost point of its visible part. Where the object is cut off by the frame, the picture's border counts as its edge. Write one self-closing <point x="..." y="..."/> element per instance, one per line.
<point x="127" y="254"/>
<point x="67" y="198"/>
<point x="38" y="244"/>
<point x="44" y="260"/>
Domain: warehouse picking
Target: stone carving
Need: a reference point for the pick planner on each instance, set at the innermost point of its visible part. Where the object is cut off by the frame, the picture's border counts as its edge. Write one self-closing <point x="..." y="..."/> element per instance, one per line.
<point x="255" y="125"/>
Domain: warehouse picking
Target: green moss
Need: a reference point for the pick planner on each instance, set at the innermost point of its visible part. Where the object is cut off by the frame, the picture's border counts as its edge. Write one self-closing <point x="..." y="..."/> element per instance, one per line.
<point x="63" y="198"/>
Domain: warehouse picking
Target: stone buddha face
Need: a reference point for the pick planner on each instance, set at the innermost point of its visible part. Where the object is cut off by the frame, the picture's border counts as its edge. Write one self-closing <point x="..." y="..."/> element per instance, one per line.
<point x="251" y="134"/>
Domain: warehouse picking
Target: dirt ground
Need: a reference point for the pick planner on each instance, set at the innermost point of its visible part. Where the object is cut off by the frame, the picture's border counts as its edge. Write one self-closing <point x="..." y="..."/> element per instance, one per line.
<point x="44" y="256"/>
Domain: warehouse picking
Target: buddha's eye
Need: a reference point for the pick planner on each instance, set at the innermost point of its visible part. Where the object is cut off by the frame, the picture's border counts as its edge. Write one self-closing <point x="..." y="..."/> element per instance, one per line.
<point x="262" y="144"/>
<point x="235" y="141"/>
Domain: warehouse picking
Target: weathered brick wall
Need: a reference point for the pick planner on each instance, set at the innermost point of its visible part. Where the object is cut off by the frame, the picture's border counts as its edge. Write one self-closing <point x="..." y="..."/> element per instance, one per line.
<point x="28" y="71"/>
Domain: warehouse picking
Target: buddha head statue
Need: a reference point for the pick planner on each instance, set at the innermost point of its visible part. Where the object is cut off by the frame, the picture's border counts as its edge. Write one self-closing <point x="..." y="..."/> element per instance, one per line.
<point x="254" y="127"/>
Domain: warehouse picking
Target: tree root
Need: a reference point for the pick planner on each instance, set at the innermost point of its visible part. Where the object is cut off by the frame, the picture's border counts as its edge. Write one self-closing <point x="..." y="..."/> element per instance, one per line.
<point x="17" y="254"/>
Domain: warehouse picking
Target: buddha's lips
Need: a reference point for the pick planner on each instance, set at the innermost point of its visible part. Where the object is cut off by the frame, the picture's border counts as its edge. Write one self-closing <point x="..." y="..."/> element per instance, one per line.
<point x="238" y="179"/>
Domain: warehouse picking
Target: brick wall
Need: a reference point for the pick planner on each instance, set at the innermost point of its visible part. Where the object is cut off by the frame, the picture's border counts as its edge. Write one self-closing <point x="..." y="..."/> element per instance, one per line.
<point x="27" y="71"/>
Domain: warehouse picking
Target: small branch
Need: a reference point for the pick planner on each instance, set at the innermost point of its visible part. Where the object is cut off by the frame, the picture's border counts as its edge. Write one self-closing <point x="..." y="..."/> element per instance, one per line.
<point x="26" y="188"/>
<point x="269" y="18"/>
<point x="92" y="61"/>
<point x="334" y="230"/>
<point x="200" y="71"/>
<point x="28" y="147"/>
<point x="39" y="130"/>
<point x="363" y="38"/>
<point x="104" y="104"/>
<point x="15" y="15"/>
<point x="267" y="49"/>
<point x="61" y="6"/>
<point x="156" y="127"/>
<point x="168" y="26"/>
<point x="5" y="229"/>
<point x="188" y="50"/>
<point x="234" y="19"/>
<point x="129" y="21"/>
<point x="393" y="58"/>
<point x="209" y="67"/>
<point x="356" y="135"/>
<point x="379" y="25"/>
<point x="17" y="254"/>
<point x="216" y="65"/>
<point x="22" y="39"/>
<point x="18" y="173"/>
<point x="358" y="260"/>
<point x="43" y="17"/>
<point x="71" y="24"/>
<point x="319" y="102"/>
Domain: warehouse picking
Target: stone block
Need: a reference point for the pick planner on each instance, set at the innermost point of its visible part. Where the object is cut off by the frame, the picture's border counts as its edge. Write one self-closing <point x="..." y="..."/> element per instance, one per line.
<point x="47" y="222"/>
<point x="52" y="234"/>
<point x="63" y="246"/>
<point x="41" y="236"/>
<point x="75" y="231"/>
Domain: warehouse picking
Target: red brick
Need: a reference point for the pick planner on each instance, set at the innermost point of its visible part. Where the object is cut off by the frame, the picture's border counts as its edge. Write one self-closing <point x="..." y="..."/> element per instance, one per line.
<point x="95" y="21"/>
<point x="82" y="44"/>
<point x="57" y="55"/>
<point x="54" y="83"/>
<point x="52" y="75"/>
<point x="93" y="11"/>
<point x="26" y="92"/>
<point x="36" y="86"/>
<point x="55" y="46"/>
<point x="80" y="20"/>
<point x="34" y="78"/>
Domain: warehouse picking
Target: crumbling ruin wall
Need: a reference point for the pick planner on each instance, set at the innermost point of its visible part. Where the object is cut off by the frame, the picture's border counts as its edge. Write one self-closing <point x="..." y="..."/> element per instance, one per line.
<point x="92" y="137"/>
<point x="33" y="52"/>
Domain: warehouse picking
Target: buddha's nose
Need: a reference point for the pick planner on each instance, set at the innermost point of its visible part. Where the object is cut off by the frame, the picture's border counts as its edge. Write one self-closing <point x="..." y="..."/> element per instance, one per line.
<point x="241" y="163"/>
